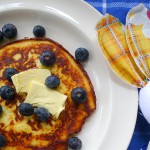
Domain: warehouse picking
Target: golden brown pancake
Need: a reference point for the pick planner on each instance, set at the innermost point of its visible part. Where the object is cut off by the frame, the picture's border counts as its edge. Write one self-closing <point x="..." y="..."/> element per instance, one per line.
<point x="27" y="133"/>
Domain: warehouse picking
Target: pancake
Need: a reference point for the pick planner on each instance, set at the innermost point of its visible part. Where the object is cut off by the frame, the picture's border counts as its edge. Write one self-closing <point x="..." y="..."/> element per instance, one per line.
<point x="27" y="133"/>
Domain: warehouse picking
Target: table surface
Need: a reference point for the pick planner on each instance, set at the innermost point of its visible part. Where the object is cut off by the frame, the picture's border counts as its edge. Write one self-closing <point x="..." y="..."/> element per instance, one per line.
<point x="141" y="135"/>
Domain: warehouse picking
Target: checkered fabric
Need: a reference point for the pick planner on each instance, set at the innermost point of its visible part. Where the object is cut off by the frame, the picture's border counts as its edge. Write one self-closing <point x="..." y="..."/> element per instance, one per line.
<point x="117" y="8"/>
<point x="113" y="44"/>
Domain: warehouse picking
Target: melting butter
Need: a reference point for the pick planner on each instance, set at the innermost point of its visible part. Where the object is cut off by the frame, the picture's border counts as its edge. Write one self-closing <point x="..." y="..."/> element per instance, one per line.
<point x="22" y="81"/>
<point x="41" y="96"/>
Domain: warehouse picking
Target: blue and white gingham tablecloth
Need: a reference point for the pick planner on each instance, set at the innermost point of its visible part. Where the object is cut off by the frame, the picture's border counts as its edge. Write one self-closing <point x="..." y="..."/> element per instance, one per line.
<point x="119" y="9"/>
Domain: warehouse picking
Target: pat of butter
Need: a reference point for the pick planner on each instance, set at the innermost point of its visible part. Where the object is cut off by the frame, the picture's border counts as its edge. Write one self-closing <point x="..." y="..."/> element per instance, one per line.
<point x="41" y="96"/>
<point x="22" y="81"/>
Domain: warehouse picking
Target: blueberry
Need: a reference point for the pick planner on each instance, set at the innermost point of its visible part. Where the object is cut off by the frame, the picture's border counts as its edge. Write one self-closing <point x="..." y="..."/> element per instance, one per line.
<point x="75" y="143"/>
<point x="9" y="72"/>
<point x="39" y="31"/>
<point x="9" y="31"/>
<point x="26" y="109"/>
<point x="78" y="95"/>
<point x="1" y="36"/>
<point x="1" y="109"/>
<point x="81" y="54"/>
<point x="42" y="114"/>
<point x="47" y="58"/>
<point x="2" y="140"/>
<point x="7" y="92"/>
<point x="52" y="81"/>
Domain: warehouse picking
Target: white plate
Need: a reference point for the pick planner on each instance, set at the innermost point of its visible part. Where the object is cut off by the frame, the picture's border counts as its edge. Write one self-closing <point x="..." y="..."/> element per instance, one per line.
<point x="72" y="24"/>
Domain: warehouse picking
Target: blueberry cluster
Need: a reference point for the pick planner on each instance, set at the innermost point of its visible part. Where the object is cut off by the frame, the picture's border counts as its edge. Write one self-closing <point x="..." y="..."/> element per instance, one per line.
<point x="78" y="94"/>
<point x="47" y="59"/>
<point x="27" y="109"/>
<point x="9" y="31"/>
<point x="7" y="93"/>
